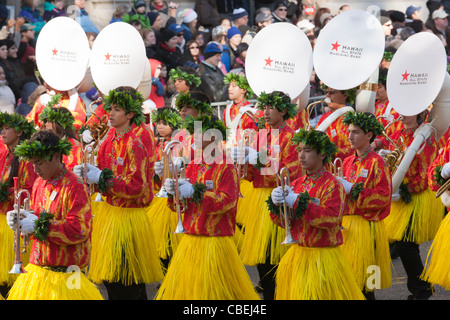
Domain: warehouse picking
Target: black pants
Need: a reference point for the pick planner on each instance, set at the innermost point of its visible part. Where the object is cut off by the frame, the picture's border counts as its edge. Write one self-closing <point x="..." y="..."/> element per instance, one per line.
<point x="410" y="256"/>
<point x="266" y="273"/>
<point x="119" y="291"/>
<point x="4" y="290"/>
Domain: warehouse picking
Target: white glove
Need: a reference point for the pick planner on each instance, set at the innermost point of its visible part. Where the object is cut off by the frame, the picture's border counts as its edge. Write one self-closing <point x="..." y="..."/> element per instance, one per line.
<point x="445" y="173"/>
<point x="28" y="225"/>
<point x="159" y="168"/>
<point x="347" y="185"/>
<point x="290" y="195"/>
<point x="396" y="196"/>
<point x="93" y="174"/>
<point x="78" y="170"/>
<point x="252" y="156"/>
<point x="185" y="188"/>
<point x="87" y="136"/>
<point x="384" y="152"/>
<point x="169" y="185"/>
<point x="11" y="218"/>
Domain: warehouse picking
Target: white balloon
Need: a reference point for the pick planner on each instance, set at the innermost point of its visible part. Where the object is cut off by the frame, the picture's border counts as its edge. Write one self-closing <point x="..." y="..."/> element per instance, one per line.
<point x="145" y="86"/>
<point x="348" y="49"/>
<point x="118" y="57"/>
<point x="279" y="58"/>
<point x="62" y="53"/>
<point x="416" y="73"/>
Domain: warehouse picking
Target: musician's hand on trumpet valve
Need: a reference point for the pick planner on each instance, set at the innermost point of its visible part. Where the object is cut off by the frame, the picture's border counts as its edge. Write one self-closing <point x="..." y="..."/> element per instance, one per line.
<point x="159" y="166"/>
<point x="278" y="197"/>
<point x="26" y="223"/>
<point x="92" y="172"/>
<point x="445" y="173"/>
<point x="244" y="155"/>
<point x="185" y="188"/>
<point x="347" y="185"/>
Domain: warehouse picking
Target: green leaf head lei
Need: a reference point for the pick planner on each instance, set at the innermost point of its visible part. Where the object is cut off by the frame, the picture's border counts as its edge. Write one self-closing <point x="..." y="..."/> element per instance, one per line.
<point x="191" y="79"/>
<point x="18" y="122"/>
<point x="170" y="117"/>
<point x="318" y="141"/>
<point x="366" y="121"/>
<point x="279" y="101"/>
<point x="128" y="99"/>
<point x="240" y="81"/>
<point x="186" y="100"/>
<point x="59" y="116"/>
<point x="208" y="122"/>
<point x="42" y="146"/>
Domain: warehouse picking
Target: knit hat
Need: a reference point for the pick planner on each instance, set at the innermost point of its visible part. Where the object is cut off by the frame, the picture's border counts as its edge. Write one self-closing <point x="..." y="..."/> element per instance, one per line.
<point x="212" y="49"/>
<point x="233" y="31"/>
<point x="152" y="15"/>
<point x="239" y="13"/>
<point x="167" y="34"/>
<point x="384" y="19"/>
<point x="188" y="15"/>
<point x="138" y="3"/>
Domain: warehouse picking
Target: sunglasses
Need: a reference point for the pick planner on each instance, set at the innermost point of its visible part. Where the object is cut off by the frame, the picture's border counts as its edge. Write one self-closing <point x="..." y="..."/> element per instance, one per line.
<point x="180" y="34"/>
<point x="193" y="47"/>
<point x="281" y="9"/>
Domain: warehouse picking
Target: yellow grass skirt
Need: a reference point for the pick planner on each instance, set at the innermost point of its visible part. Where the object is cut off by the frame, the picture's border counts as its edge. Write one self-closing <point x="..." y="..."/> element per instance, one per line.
<point x="123" y="247"/>
<point x="206" y="268"/>
<point x="315" y="274"/>
<point x="246" y="188"/>
<point x="437" y="266"/>
<point x="260" y="235"/>
<point x="7" y="253"/>
<point x="43" y="284"/>
<point x="366" y="248"/>
<point x="164" y="222"/>
<point x="417" y="221"/>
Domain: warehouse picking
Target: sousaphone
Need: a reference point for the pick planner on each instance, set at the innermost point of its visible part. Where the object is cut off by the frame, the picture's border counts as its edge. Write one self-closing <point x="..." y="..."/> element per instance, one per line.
<point x="418" y="78"/>
<point x="347" y="54"/>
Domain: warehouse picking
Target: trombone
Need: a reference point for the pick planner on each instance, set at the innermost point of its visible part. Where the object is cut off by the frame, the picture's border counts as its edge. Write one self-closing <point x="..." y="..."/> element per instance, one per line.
<point x="174" y="175"/>
<point x="283" y="180"/>
<point x="18" y="266"/>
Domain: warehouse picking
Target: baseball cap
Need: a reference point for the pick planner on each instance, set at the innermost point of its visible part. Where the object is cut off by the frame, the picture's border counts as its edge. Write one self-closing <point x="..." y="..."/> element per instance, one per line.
<point x="439" y="14"/>
<point x="411" y="9"/>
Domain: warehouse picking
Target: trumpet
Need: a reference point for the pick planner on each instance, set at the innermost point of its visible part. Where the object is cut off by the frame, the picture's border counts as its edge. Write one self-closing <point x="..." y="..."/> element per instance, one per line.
<point x="242" y="143"/>
<point x="174" y="175"/>
<point x="162" y="192"/>
<point x="18" y="251"/>
<point x="283" y="180"/>
<point x="336" y="168"/>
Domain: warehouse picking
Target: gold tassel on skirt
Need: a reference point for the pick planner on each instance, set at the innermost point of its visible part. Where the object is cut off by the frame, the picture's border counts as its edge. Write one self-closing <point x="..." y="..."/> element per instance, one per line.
<point x="437" y="270"/>
<point x="164" y="222"/>
<point x="40" y="283"/>
<point x="366" y="246"/>
<point x="260" y="233"/>
<point x="123" y="247"/>
<point x="315" y="274"/>
<point x="7" y="253"/>
<point x="206" y="268"/>
<point x="416" y="221"/>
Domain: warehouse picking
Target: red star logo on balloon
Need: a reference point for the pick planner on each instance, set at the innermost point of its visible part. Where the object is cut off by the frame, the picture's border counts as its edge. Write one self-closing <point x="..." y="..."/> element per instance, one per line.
<point x="405" y="76"/>
<point x="107" y="56"/>
<point x="268" y="62"/>
<point x="54" y="51"/>
<point x="335" y="46"/>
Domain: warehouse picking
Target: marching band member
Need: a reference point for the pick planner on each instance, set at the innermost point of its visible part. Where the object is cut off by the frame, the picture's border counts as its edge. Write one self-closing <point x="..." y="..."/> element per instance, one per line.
<point x="15" y="129"/>
<point x="60" y="120"/>
<point x="337" y="131"/>
<point x="416" y="215"/>
<point x="76" y="107"/>
<point x="368" y="187"/>
<point x="261" y="244"/>
<point x="436" y="267"/>
<point x="166" y="120"/>
<point x="184" y="81"/>
<point x="60" y="226"/>
<point x="206" y="264"/>
<point x="124" y="256"/>
<point x="315" y="268"/>
<point x="238" y="92"/>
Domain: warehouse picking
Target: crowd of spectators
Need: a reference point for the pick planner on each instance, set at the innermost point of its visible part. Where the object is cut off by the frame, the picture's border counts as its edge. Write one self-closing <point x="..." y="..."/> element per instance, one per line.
<point x="209" y="40"/>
